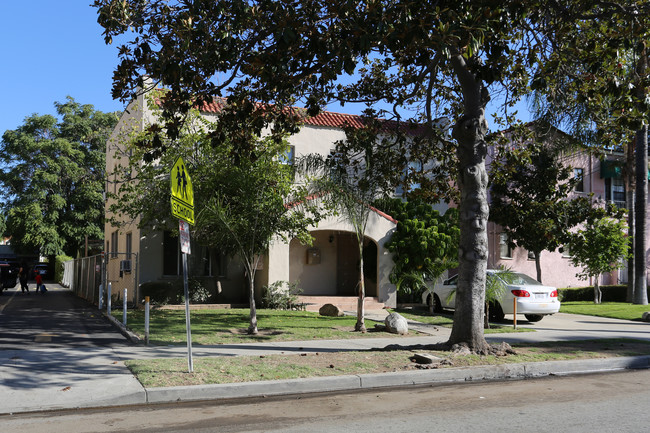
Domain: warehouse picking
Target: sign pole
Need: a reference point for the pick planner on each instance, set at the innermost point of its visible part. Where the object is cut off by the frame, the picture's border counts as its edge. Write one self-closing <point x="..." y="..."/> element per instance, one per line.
<point x="190" y="362"/>
<point x="182" y="202"/>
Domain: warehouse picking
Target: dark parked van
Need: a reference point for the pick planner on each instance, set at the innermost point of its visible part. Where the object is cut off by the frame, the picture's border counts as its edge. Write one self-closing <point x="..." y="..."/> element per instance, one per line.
<point x="8" y="275"/>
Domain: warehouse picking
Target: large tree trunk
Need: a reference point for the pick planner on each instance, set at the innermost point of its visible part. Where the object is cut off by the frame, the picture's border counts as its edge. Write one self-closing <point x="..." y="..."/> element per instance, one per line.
<point x="538" y="265"/>
<point x="640" y="273"/>
<point x="630" y="187"/>
<point x="469" y="132"/>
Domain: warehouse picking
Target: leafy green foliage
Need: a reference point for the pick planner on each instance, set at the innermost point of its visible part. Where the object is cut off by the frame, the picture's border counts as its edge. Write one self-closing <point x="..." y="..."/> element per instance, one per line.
<point x="529" y="191"/>
<point x="610" y="293"/>
<point x="599" y="247"/>
<point x="281" y="295"/>
<point x="424" y="245"/>
<point x="53" y="179"/>
<point x="424" y="60"/>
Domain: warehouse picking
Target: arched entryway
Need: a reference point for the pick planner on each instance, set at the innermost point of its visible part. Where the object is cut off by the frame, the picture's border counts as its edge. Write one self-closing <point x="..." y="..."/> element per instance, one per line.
<point x="330" y="267"/>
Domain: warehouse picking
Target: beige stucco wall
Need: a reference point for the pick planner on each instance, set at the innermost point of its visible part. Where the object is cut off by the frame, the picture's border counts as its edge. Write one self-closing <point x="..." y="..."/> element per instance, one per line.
<point x="130" y="122"/>
<point x="281" y="263"/>
<point x="289" y="264"/>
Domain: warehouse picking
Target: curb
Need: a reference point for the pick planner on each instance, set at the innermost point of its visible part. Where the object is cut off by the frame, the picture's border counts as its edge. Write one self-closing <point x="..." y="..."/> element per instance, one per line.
<point x="134" y="339"/>
<point x="432" y="377"/>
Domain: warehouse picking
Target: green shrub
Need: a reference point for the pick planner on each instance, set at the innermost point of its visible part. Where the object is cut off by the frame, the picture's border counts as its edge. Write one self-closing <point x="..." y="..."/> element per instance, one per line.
<point x="59" y="267"/>
<point x="160" y="292"/>
<point x="276" y="297"/>
<point x="172" y="292"/>
<point x="612" y="293"/>
<point x="198" y="293"/>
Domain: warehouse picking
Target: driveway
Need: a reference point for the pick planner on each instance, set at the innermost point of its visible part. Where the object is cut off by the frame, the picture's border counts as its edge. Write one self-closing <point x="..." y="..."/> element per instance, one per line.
<point x="57" y="351"/>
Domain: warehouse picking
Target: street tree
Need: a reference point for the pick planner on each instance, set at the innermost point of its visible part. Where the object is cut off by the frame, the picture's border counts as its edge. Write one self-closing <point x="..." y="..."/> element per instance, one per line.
<point x="529" y="189"/>
<point x="595" y="84"/>
<point x="52" y="179"/>
<point x="599" y="247"/>
<point x="421" y="60"/>
<point x="424" y="244"/>
<point x="244" y="191"/>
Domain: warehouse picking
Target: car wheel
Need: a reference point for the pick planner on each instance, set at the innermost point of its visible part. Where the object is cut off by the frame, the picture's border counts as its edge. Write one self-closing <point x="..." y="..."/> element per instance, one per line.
<point x="533" y="317"/>
<point x="496" y="313"/>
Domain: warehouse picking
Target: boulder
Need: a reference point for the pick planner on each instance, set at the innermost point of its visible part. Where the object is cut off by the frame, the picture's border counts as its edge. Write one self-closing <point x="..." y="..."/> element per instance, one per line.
<point x="396" y="324"/>
<point x="646" y="316"/>
<point x="330" y="310"/>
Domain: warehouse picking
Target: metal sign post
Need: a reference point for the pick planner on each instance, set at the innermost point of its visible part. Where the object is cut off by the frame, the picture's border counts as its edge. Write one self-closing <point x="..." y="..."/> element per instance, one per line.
<point x="182" y="200"/>
<point x="184" y="230"/>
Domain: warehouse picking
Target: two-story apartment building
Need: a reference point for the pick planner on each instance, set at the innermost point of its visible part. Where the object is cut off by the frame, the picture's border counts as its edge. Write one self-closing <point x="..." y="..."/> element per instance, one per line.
<point x="602" y="178"/>
<point x="328" y="268"/>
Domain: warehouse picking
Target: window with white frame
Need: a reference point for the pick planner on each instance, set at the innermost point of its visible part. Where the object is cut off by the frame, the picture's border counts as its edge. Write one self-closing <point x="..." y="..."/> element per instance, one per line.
<point x="579" y="176"/>
<point x="615" y="191"/>
<point x="128" y="245"/>
<point x="505" y="250"/>
<point x="114" y="243"/>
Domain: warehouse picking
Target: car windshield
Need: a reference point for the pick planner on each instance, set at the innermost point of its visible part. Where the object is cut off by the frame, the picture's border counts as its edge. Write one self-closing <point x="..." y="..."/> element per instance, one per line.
<point x="517" y="279"/>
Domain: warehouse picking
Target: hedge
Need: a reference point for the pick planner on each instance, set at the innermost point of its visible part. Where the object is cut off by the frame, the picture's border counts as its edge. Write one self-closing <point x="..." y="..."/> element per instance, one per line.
<point x="611" y="293"/>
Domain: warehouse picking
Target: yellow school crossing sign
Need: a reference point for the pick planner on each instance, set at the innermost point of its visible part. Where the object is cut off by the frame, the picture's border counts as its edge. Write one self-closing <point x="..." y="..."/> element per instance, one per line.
<point x="182" y="193"/>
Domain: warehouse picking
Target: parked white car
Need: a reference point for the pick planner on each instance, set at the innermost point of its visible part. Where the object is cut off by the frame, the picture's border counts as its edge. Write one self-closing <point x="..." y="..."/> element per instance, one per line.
<point x="534" y="300"/>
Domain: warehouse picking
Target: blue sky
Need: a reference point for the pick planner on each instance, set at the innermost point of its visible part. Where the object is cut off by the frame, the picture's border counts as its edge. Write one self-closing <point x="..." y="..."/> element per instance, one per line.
<point x="52" y="49"/>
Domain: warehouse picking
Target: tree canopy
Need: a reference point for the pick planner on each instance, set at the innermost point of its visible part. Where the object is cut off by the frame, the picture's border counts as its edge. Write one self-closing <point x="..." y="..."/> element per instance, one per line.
<point x="529" y="189"/>
<point x="599" y="246"/>
<point x="53" y="179"/>
<point x="421" y="60"/>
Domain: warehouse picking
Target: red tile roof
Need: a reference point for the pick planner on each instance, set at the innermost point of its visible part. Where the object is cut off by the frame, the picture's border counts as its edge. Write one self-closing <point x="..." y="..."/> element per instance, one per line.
<point x="326" y="118"/>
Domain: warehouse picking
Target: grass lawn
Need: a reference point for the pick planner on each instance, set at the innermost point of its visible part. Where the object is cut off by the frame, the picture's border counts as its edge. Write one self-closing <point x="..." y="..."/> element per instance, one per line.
<point x="614" y="310"/>
<point x="225" y="369"/>
<point x="228" y="326"/>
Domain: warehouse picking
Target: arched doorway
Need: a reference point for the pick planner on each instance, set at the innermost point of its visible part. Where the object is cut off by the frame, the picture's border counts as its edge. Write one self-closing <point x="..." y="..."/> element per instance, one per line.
<point x="330" y="267"/>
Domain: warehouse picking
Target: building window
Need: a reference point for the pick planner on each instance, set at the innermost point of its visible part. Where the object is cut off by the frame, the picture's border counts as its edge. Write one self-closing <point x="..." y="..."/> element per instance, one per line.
<point x="615" y="191"/>
<point x="288" y="156"/>
<point x="578" y="174"/>
<point x="114" y="238"/>
<point x="505" y="250"/>
<point x="171" y="252"/>
<point x="129" y="240"/>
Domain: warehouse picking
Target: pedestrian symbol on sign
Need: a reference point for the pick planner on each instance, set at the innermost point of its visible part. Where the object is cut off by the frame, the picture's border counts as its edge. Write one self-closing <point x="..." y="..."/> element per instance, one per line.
<point x="182" y="192"/>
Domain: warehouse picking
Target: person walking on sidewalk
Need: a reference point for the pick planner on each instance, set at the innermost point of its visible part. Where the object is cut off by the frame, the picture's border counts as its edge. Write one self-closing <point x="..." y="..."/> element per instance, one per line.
<point x="39" y="283"/>
<point x="22" y="277"/>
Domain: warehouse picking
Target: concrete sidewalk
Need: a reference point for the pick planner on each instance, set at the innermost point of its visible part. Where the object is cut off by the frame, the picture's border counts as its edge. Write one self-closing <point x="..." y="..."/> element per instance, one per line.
<point x="58" y="377"/>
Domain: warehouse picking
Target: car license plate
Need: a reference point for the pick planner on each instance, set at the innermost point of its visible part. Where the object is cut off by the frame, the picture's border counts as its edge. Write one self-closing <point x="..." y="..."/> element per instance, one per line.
<point x="540" y="295"/>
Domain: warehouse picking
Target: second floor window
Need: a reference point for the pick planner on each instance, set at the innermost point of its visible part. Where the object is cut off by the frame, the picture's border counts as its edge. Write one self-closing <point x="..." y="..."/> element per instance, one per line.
<point x="578" y="174"/>
<point x="615" y="191"/>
